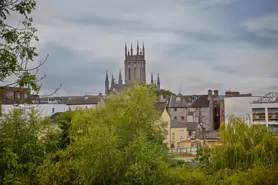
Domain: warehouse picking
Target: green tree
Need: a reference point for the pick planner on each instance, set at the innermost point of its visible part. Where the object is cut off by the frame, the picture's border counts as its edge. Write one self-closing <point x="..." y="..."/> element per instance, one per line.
<point x="121" y="144"/>
<point x="160" y="92"/>
<point x="118" y="144"/>
<point x="64" y="123"/>
<point x="21" y="149"/>
<point x="245" y="151"/>
<point x="16" y="50"/>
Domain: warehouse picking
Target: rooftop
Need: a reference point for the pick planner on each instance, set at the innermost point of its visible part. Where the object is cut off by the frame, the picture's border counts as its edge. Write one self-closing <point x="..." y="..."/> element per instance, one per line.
<point x="194" y="101"/>
<point x="191" y="126"/>
<point x="271" y="97"/>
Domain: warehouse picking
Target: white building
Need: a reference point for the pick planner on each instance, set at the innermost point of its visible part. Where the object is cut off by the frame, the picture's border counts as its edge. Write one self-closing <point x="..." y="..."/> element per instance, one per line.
<point x="256" y="110"/>
<point x="48" y="106"/>
<point x="44" y="109"/>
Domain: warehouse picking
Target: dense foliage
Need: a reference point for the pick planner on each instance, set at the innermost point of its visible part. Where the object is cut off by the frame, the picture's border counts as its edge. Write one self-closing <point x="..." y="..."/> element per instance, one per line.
<point x="122" y="143"/>
<point x="16" y="50"/>
<point x="248" y="155"/>
<point x="160" y="92"/>
<point x="22" y="148"/>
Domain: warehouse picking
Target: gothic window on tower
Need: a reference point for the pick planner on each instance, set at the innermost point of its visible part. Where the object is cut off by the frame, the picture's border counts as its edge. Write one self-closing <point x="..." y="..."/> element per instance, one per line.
<point x="129" y="74"/>
<point x="134" y="74"/>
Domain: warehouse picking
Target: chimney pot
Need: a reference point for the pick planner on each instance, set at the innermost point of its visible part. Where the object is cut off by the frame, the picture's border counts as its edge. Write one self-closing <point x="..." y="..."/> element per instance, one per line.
<point x="209" y="94"/>
<point x="216" y="93"/>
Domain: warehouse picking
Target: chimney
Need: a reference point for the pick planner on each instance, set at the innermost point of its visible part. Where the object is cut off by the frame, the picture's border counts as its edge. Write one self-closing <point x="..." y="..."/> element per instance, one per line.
<point x="209" y="94"/>
<point x="216" y="93"/>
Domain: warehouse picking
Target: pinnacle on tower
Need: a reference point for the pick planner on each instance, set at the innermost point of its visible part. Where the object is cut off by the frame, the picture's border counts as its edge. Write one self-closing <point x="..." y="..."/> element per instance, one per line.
<point x="112" y="81"/>
<point x="151" y="78"/>
<point x="125" y="49"/>
<point x="120" y="78"/>
<point x="106" y="78"/>
<point x="131" y="50"/>
<point x="143" y="49"/>
<point x="137" y="48"/>
<point x="158" y="81"/>
<point x="106" y="83"/>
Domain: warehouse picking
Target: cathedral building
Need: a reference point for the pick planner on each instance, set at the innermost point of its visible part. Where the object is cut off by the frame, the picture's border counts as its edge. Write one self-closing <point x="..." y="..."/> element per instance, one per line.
<point x="134" y="71"/>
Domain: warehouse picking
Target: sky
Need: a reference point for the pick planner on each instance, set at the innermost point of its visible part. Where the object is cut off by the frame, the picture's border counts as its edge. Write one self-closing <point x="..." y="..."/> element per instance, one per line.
<point x="194" y="45"/>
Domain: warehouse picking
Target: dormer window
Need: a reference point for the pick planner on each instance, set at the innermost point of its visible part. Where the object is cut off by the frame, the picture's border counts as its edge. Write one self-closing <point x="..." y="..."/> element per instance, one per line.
<point x="86" y="98"/>
<point x="178" y="98"/>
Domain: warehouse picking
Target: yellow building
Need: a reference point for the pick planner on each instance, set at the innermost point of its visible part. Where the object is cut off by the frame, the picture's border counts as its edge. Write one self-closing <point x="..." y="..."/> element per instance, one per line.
<point x="178" y="133"/>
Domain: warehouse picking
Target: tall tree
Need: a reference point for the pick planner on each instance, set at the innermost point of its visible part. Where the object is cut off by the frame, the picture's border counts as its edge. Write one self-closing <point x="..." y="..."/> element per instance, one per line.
<point x="16" y="50"/>
<point x="24" y="143"/>
<point x="118" y="144"/>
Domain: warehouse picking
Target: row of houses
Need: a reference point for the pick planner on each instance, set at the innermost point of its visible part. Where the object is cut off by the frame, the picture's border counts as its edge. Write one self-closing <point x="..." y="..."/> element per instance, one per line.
<point x="191" y="119"/>
<point x="197" y="118"/>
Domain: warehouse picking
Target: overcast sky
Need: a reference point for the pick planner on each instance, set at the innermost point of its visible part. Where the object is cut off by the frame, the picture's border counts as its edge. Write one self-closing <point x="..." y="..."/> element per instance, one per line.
<point x="194" y="45"/>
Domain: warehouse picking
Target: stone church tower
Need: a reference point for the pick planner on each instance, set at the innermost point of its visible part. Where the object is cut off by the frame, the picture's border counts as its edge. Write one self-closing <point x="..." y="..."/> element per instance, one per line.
<point x="134" y="71"/>
<point x="135" y="65"/>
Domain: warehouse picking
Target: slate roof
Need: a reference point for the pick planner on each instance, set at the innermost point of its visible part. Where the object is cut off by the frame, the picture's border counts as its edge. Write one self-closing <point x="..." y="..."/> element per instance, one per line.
<point x="83" y="100"/>
<point x="160" y="105"/>
<point x="191" y="126"/>
<point x="194" y="101"/>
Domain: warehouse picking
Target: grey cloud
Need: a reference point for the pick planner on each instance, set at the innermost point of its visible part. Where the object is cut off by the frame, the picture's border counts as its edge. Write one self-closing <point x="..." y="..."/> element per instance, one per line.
<point x="103" y="21"/>
<point x="73" y="71"/>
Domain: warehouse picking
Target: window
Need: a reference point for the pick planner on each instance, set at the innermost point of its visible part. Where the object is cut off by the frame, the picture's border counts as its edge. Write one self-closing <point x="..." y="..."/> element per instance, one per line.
<point x="53" y="110"/>
<point x="189" y="118"/>
<point x="25" y="95"/>
<point x="10" y="95"/>
<point x="173" y="136"/>
<point x="175" y="117"/>
<point x="129" y="74"/>
<point x="272" y="114"/>
<point x="189" y="133"/>
<point x="258" y="114"/>
<point x="175" y="109"/>
<point x="181" y="134"/>
<point x="182" y="118"/>
<point x="17" y="95"/>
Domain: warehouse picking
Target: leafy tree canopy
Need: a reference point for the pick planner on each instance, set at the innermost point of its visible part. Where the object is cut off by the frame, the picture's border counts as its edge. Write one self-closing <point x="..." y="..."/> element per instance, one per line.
<point x="16" y="50"/>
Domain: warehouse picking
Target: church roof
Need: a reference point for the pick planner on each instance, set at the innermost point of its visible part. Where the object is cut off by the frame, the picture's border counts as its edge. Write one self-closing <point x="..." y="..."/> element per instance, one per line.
<point x="119" y="87"/>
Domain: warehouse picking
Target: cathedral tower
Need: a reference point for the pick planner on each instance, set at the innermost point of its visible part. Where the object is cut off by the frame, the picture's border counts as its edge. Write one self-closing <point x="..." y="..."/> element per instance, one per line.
<point x="135" y="65"/>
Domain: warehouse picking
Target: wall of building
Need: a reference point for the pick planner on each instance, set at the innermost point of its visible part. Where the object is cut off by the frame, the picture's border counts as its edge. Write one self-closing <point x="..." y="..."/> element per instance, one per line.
<point x="191" y="115"/>
<point x="165" y="119"/>
<point x="44" y="109"/>
<point x="74" y="107"/>
<point x="265" y="107"/>
<point x="177" y="135"/>
<point x="238" y="106"/>
<point x="242" y="107"/>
